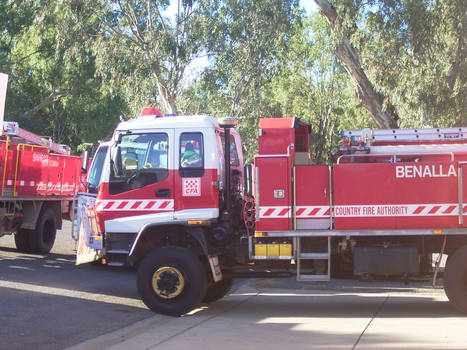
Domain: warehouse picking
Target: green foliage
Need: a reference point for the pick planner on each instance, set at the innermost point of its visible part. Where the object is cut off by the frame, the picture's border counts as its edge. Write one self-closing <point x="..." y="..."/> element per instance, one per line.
<point x="414" y="52"/>
<point x="53" y="90"/>
<point x="75" y="66"/>
<point x="146" y="50"/>
<point x="247" y="39"/>
<point x="313" y="86"/>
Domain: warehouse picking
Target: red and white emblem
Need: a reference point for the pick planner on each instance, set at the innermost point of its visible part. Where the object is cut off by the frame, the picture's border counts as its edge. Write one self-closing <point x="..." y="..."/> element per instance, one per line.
<point x="191" y="187"/>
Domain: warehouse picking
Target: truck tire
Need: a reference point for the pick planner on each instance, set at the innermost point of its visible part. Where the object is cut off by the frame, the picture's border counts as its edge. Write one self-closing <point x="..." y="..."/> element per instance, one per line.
<point x="42" y="239"/>
<point x="455" y="279"/>
<point x="171" y="280"/>
<point x="218" y="290"/>
<point x="22" y="240"/>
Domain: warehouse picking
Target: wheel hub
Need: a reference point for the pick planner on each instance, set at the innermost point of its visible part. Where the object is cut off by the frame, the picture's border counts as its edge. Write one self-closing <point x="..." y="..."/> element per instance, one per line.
<point x="168" y="282"/>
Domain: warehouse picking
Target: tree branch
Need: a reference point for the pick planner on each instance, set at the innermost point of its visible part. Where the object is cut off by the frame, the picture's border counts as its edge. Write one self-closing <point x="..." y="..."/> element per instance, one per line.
<point x="349" y="57"/>
<point x="54" y="96"/>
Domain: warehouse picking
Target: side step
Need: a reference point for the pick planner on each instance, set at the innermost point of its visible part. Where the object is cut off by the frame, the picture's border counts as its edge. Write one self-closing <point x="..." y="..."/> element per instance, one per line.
<point x="117" y="257"/>
<point x="310" y="256"/>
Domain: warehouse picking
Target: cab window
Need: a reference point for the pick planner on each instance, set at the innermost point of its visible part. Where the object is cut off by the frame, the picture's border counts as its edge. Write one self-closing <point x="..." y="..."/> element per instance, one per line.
<point x="191" y="154"/>
<point x="139" y="160"/>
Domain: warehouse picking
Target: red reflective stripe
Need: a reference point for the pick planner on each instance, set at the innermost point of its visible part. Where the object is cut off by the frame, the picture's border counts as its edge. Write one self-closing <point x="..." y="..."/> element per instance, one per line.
<point x="450" y="209"/>
<point x="164" y="205"/>
<point x="328" y="212"/>
<point x="314" y="211"/>
<point x="268" y="212"/>
<point x="136" y="205"/>
<point x="109" y="205"/>
<point x="434" y="209"/>
<point x="419" y="210"/>
<point x="149" y="205"/>
<point x="122" y="205"/>
<point x="300" y="211"/>
<point x="283" y="212"/>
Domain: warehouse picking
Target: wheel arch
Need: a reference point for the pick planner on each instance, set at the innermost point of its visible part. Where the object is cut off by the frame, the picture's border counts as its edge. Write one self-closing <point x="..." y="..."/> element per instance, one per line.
<point x="153" y="236"/>
<point x="33" y="209"/>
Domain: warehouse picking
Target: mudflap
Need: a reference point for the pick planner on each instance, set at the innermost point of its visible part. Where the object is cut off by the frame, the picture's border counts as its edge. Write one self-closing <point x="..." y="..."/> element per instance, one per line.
<point x="90" y="241"/>
<point x="215" y="268"/>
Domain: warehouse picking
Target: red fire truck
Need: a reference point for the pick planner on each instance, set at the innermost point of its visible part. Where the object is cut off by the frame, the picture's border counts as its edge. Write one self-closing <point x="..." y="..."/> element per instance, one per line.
<point x="172" y="197"/>
<point x="38" y="179"/>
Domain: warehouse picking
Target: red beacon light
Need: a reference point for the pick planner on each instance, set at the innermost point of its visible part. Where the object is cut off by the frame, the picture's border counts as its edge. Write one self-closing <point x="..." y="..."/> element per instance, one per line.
<point x="150" y="112"/>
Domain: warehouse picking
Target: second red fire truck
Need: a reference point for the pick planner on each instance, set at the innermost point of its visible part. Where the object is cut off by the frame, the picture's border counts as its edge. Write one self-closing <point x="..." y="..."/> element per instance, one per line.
<point x="38" y="179"/>
<point x="171" y="196"/>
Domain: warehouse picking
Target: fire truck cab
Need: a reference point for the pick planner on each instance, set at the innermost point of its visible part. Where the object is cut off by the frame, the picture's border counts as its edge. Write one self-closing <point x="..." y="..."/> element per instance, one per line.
<point x="171" y="197"/>
<point x="159" y="190"/>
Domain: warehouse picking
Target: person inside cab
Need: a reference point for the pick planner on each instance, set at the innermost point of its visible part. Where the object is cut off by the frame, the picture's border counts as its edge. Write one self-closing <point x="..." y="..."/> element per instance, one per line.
<point x="190" y="158"/>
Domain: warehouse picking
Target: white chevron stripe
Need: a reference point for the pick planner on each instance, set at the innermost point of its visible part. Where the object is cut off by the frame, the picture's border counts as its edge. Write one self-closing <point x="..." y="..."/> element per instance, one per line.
<point x="135" y="204"/>
<point x="386" y="210"/>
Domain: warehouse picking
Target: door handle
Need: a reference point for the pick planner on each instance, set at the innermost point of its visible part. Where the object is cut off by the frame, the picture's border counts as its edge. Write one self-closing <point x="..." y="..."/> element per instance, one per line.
<point x="163" y="192"/>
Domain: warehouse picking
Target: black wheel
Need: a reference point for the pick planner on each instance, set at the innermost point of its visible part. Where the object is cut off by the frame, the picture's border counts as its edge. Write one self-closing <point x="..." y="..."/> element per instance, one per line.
<point x="22" y="240"/>
<point x="455" y="279"/>
<point x="42" y="239"/>
<point x="218" y="290"/>
<point x="171" y="280"/>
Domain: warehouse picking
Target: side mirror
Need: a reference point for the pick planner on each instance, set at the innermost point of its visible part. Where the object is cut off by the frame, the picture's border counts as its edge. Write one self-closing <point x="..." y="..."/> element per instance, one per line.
<point x="84" y="161"/>
<point x="116" y="160"/>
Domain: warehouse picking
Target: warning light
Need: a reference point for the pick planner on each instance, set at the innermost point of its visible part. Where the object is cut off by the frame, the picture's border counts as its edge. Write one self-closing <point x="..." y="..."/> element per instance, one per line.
<point x="260" y="234"/>
<point x="437" y="232"/>
<point x="150" y="111"/>
<point x="197" y="222"/>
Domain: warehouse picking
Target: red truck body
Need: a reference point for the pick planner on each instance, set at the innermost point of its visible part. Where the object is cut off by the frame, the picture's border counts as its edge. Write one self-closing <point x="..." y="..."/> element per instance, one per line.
<point x="36" y="187"/>
<point x="390" y="201"/>
<point x="413" y="189"/>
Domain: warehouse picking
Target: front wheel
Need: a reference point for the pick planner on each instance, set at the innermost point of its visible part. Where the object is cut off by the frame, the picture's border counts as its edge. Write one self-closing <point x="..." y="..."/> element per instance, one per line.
<point x="171" y="280"/>
<point x="455" y="279"/>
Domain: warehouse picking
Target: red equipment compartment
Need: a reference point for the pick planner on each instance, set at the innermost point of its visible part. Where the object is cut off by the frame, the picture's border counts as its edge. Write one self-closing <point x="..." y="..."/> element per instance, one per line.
<point x="71" y="176"/>
<point x="312" y="192"/>
<point x="31" y="170"/>
<point x="404" y="195"/>
<point x="32" y="176"/>
<point x="54" y="184"/>
<point x="278" y="134"/>
<point x="274" y="198"/>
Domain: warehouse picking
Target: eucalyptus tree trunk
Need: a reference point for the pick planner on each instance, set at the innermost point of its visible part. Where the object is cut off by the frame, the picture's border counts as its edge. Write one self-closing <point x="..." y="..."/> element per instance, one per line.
<point x="349" y="58"/>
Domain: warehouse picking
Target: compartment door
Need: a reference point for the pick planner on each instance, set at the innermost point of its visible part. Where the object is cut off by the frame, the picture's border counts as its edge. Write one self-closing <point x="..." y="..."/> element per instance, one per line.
<point x="312" y="197"/>
<point x="274" y="200"/>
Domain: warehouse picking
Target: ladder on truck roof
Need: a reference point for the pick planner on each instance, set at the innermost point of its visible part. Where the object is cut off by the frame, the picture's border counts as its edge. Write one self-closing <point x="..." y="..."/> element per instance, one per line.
<point x="12" y="129"/>
<point x="407" y="135"/>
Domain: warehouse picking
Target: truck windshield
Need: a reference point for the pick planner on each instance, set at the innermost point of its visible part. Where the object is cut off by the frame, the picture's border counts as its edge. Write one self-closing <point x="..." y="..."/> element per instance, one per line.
<point x="94" y="176"/>
<point x="138" y="160"/>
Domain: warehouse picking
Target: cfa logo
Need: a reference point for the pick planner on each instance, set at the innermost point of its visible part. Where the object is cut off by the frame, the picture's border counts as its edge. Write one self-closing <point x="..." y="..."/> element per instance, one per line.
<point x="412" y="171"/>
<point x="191" y="187"/>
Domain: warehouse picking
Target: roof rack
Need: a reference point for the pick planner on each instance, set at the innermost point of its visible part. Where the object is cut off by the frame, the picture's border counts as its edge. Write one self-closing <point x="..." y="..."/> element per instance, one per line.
<point x="407" y="135"/>
<point x="12" y="129"/>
